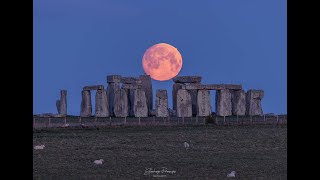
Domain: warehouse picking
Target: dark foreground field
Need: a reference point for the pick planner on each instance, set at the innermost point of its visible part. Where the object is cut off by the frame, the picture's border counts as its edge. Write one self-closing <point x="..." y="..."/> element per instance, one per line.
<point x="254" y="152"/>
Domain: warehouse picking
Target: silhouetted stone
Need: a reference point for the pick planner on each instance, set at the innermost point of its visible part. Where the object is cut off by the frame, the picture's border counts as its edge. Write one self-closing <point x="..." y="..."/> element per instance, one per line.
<point x="96" y="87"/>
<point x="112" y="87"/>
<point x="113" y="79"/>
<point x="238" y="102"/>
<point x="184" y="104"/>
<point x="62" y="103"/>
<point x="58" y="106"/>
<point x="147" y="87"/>
<point x="223" y="103"/>
<point x="140" y="108"/>
<point x="120" y="103"/>
<point x="253" y="102"/>
<point x="131" y="86"/>
<point x="175" y="88"/>
<point x="102" y="104"/>
<point x="187" y="79"/>
<point x="162" y="103"/>
<point x="204" y="105"/>
<point x="86" y="106"/>
<point x="212" y="86"/>
<point x="130" y="80"/>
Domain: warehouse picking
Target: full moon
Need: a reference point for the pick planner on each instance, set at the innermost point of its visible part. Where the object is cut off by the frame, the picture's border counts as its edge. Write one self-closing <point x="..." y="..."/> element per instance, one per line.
<point x="162" y="61"/>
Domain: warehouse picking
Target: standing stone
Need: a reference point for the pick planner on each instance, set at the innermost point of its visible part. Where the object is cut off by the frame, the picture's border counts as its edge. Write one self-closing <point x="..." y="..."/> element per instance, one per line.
<point x="120" y="103"/>
<point x="238" y="102"/>
<point x="162" y="103"/>
<point x="146" y="84"/>
<point x="86" y="106"/>
<point x="63" y="102"/>
<point x="58" y="106"/>
<point x="111" y="89"/>
<point x="204" y="105"/>
<point x="184" y="105"/>
<point x="140" y="108"/>
<point x="253" y="102"/>
<point x="102" y="103"/>
<point x="223" y="103"/>
<point x="175" y="88"/>
<point x="130" y="101"/>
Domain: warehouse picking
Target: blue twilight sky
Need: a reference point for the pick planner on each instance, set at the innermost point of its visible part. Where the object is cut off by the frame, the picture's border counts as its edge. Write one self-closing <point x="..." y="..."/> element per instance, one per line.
<point x="79" y="42"/>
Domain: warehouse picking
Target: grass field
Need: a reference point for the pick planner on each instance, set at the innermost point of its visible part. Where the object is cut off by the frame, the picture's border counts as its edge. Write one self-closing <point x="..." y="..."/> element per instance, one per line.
<point x="253" y="151"/>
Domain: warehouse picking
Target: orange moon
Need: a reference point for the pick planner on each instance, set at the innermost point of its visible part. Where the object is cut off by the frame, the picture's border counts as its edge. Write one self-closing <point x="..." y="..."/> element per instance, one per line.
<point x="162" y="61"/>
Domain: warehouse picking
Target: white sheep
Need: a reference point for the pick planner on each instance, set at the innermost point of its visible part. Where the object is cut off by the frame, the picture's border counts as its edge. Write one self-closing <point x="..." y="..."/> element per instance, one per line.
<point x="65" y="125"/>
<point x="100" y="161"/>
<point x="232" y="174"/>
<point x="186" y="145"/>
<point x="39" y="147"/>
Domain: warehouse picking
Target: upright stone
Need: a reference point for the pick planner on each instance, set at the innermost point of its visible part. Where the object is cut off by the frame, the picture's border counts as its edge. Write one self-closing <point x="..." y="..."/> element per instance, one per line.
<point x="63" y="102"/>
<point x="223" y="103"/>
<point x="184" y="105"/>
<point x="120" y="103"/>
<point x="102" y="104"/>
<point x="253" y="102"/>
<point x="130" y="101"/>
<point x="147" y="87"/>
<point x="113" y="79"/>
<point x="140" y="108"/>
<point x="175" y="88"/>
<point x="113" y="85"/>
<point x="204" y="105"/>
<point x="238" y="102"/>
<point x="162" y="103"/>
<point x="86" y="106"/>
<point x="58" y="106"/>
<point x="194" y="101"/>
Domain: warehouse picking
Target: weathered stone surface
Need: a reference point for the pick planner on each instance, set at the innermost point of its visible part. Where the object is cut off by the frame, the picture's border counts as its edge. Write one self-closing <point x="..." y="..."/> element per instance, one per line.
<point x="130" y="80"/>
<point x="46" y="115"/>
<point x="253" y="102"/>
<point x="102" y="103"/>
<point x="223" y="103"/>
<point x="96" y="87"/>
<point x="184" y="105"/>
<point x="113" y="79"/>
<point x="140" y="108"/>
<point x="212" y="86"/>
<point x="63" y="102"/>
<point x="238" y="99"/>
<point x="131" y="86"/>
<point x="120" y="103"/>
<point x="204" y="105"/>
<point x="58" y="106"/>
<point x="147" y="87"/>
<point x="175" y="88"/>
<point x="112" y="87"/>
<point x="187" y="79"/>
<point x="86" y="106"/>
<point x="162" y="103"/>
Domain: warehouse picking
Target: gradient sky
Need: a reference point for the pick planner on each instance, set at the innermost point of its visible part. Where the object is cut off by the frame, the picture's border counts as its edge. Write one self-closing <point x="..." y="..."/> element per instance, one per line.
<point x="79" y="42"/>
